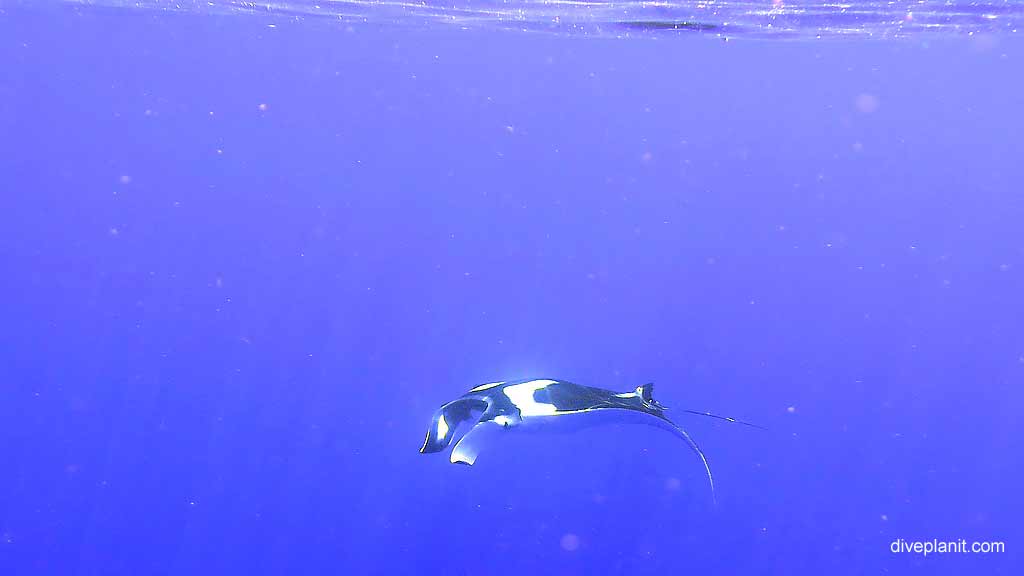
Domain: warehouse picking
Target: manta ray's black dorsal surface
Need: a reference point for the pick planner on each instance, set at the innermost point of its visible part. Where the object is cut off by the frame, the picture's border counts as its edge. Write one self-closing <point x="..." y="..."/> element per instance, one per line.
<point x="539" y="404"/>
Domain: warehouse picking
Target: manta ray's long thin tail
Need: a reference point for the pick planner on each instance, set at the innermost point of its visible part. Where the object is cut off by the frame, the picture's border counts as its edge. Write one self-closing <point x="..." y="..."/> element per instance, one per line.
<point x="726" y="418"/>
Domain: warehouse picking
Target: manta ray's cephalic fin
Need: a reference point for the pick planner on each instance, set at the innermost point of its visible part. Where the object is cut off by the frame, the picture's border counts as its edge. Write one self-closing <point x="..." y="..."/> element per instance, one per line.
<point x="478" y="437"/>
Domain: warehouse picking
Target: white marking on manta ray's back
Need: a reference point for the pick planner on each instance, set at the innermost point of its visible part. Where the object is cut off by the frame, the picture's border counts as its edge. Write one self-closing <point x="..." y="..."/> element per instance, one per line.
<point x="483" y="387"/>
<point x="626" y="395"/>
<point x="503" y="420"/>
<point x="522" y="396"/>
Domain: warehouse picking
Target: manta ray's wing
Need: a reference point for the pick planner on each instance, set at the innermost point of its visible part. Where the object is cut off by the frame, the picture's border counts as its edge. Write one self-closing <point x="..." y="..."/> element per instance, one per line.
<point x="478" y="437"/>
<point x="672" y="427"/>
<point x="446" y="420"/>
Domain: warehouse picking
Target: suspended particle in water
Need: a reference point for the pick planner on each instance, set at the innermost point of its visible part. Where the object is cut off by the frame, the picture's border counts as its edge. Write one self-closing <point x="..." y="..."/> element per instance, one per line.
<point x="867" y="103"/>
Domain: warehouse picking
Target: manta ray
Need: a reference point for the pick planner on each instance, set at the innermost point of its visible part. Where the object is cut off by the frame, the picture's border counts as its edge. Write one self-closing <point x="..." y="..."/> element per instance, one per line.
<point x="546" y="404"/>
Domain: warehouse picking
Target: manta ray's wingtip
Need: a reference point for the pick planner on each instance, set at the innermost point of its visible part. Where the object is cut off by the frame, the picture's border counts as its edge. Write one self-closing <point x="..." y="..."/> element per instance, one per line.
<point x="711" y="479"/>
<point x="700" y="453"/>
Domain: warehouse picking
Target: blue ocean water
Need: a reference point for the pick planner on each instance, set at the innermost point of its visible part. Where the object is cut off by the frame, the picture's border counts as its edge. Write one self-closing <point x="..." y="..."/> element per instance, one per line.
<point x="246" y="251"/>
